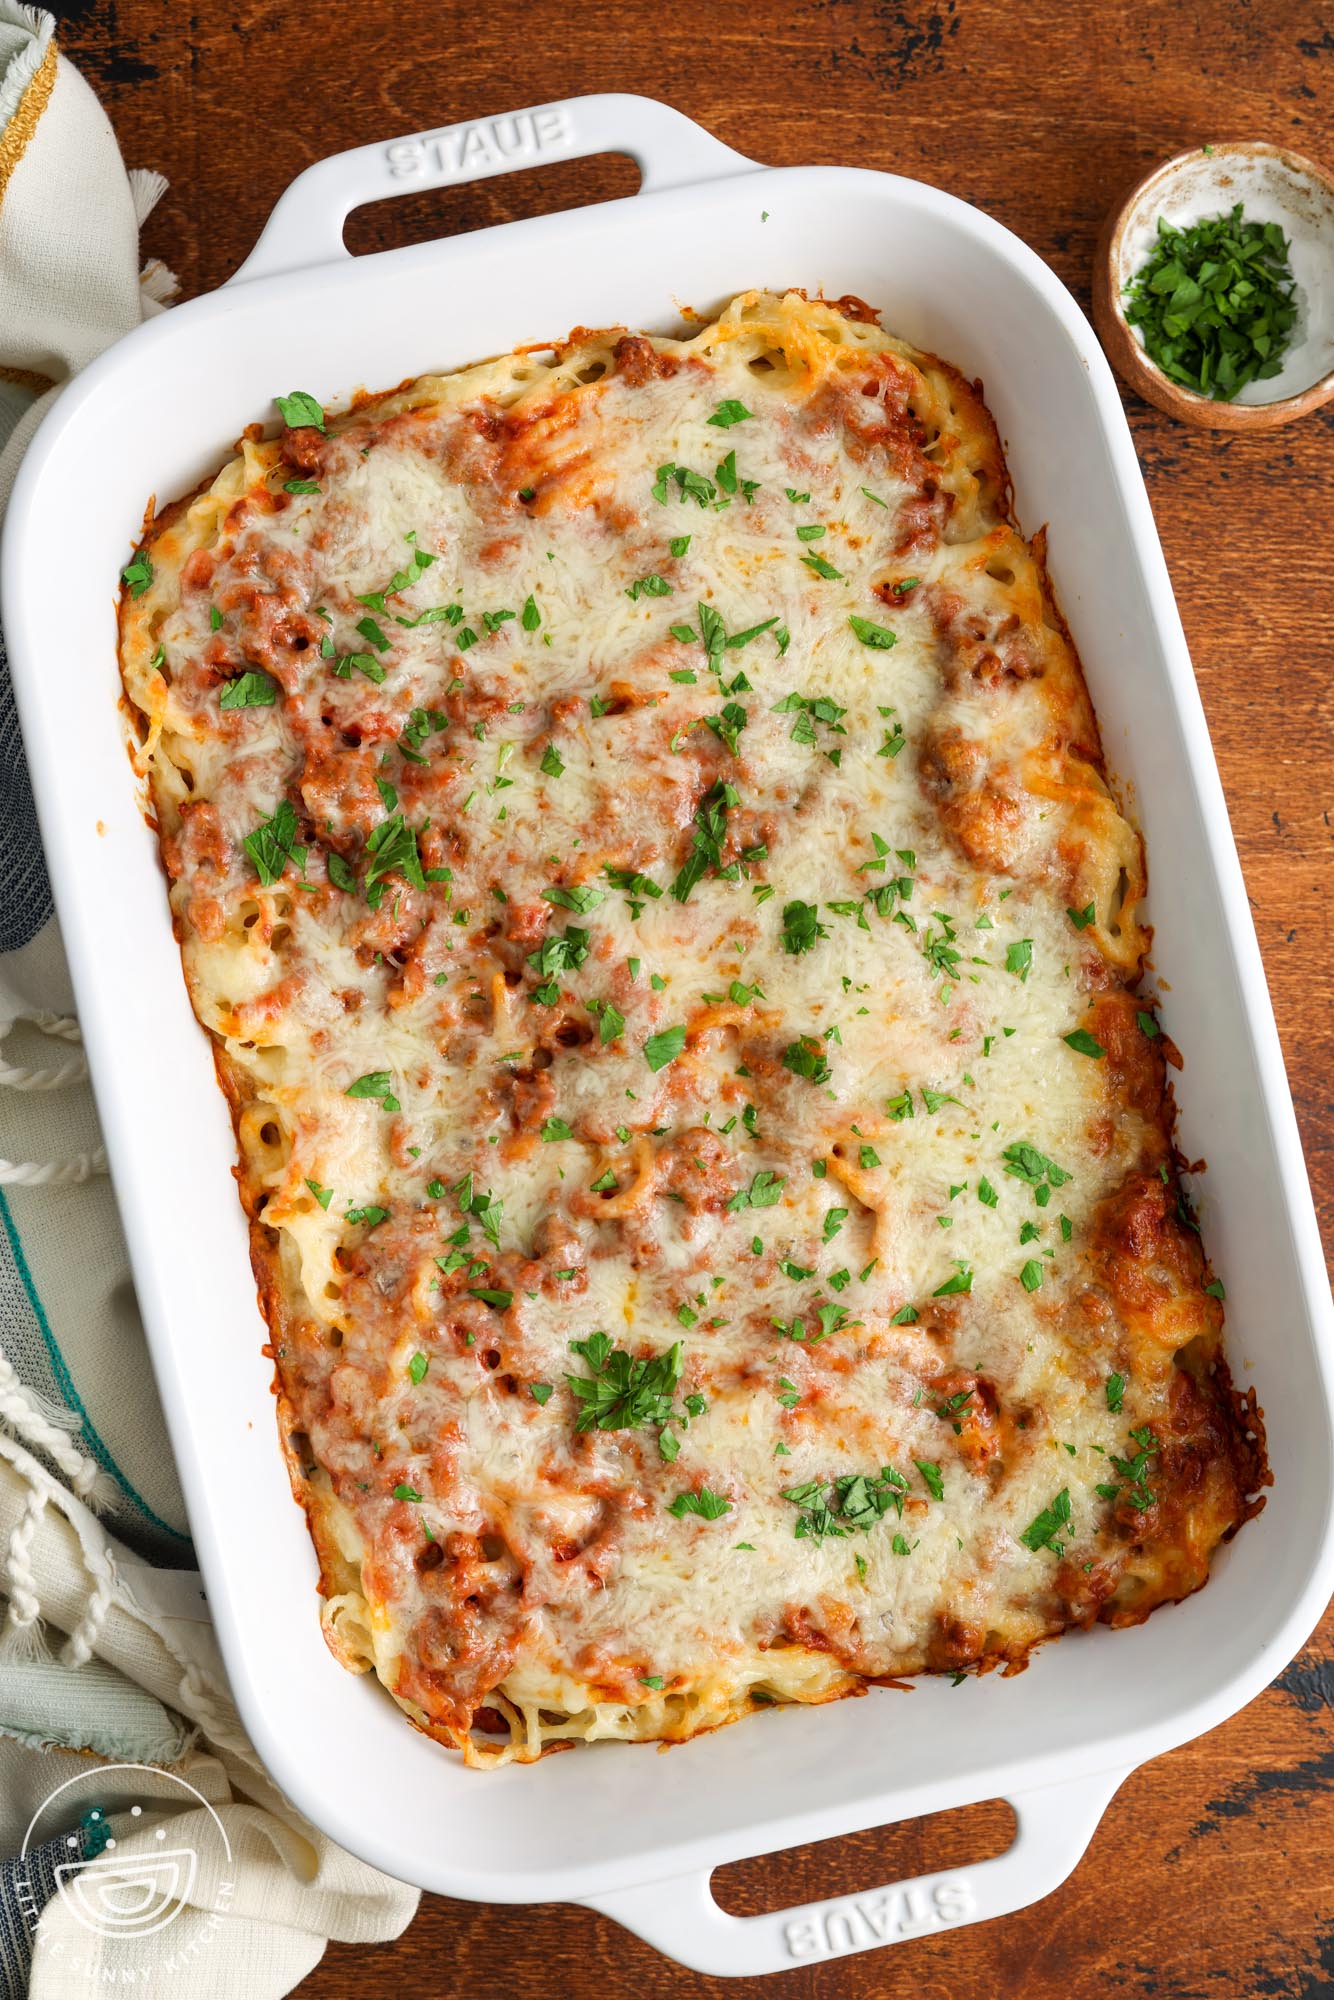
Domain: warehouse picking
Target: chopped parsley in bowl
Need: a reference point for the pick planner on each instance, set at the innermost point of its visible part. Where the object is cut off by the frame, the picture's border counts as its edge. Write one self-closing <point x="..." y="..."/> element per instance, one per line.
<point x="1215" y="303"/>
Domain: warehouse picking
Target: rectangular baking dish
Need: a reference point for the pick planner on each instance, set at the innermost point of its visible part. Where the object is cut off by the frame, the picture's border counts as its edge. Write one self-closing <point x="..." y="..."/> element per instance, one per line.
<point x="627" y="1831"/>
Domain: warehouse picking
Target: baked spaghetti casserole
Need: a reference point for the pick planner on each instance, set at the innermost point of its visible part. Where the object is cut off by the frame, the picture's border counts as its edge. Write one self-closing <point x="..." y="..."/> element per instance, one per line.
<point x="640" y="845"/>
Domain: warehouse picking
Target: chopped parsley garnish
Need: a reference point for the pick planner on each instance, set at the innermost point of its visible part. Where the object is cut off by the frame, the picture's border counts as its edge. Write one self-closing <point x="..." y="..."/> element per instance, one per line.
<point x="961" y="1282"/>
<point x="1132" y="1470"/>
<point x="810" y="709"/>
<point x="855" y="1501"/>
<point x="540" y="1391"/>
<point x="805" y="1057"/>
<point x="1019" y="958"/>
<point x="581" y="899"/>
<point x="563" y="952"/>
<point x="729" y="480"/>
<point x="1027" y="1164"/>
<point x="939" y="948"/>
<point x="1052" y="1521"/>
<point x="764" y="1191"/>
<point x="403" y="579"/>
<point x="872" y="634"/>
<point x="1147" y="1025"/>
<point x="138" y="573"/>
<point x="1084" y="1044"/>
<point x="1115" y="1387"/>
<point x="710" y="831"/>
<point x="365" y="663"/>
<point x="623" y="1392"/>
<point x="391" y="849"/>
<point x="610" y="1020"/>
<point x="438" y="614"/>
<point x="648" y="586"/>
<point x="1081" y="919"/>
<point x="931" y="1476"/>
<point x="729" y="413"/>
<point x="300" y="411"/>
<point x="249" y="690"/>
<point x="273" y="844"/>
<point x="638" y="887"/>
<point x="802" y="929"/>
<point x="830" y="1319"/>
<point x="481" y="1203"/>
<point x="820" y="567"/>
<point x="728" y="726"/>
<point x="664" y="1047"/>
<point x="376" y="1084"/>
<point x="323" y="1195"/>
<point x="708" y="1505"/>
<point x="691" y="485"/>
<point x="1031" y="1275"/>
<point x="405" y="1492"/>
<point x="554" y="1129"/>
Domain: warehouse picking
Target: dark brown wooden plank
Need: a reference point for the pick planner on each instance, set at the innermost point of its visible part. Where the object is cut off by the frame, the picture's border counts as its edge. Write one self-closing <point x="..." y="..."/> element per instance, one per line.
<point x="1210" y="1875"/>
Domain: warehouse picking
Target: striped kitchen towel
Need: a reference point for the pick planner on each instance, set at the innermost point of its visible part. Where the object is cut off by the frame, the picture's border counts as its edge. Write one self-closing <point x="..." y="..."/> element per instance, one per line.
<point x="165" y="1859"/>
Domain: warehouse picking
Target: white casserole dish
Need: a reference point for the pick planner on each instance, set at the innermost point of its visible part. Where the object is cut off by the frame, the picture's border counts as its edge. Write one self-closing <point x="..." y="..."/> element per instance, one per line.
<point x="631" y="1833"/>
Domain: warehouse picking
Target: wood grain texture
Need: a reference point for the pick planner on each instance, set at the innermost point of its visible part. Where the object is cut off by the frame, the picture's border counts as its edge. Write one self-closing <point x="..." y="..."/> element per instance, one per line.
<point x="1211" y="1874"/>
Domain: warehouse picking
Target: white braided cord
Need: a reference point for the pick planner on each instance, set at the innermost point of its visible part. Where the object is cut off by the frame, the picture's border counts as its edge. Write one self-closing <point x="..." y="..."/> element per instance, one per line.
<point x="17" y="1076"/>
<point x="22" y="1637"/>
<point x="64" y="1026"/>
<point x="53" y="1173"/>
<point x="47" y="1428"/>
<point x="22" y="1076"/>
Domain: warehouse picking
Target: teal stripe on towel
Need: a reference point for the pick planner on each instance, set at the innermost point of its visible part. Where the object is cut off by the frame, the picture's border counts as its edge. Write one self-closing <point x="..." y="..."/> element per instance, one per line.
<point x="95" y="1445"/>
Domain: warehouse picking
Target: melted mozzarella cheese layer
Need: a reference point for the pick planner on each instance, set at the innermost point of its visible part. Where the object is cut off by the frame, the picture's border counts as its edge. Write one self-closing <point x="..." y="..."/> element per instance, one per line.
<point x="903" y="1252"/>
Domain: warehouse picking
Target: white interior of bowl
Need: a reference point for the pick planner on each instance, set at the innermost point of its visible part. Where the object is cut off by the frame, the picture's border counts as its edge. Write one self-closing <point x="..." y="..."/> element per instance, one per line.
<point x="1270" y="188"/>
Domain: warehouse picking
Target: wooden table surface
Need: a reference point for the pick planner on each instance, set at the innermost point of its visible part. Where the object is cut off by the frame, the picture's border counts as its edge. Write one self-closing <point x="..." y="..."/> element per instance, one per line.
<point x="1211" y="1874"/>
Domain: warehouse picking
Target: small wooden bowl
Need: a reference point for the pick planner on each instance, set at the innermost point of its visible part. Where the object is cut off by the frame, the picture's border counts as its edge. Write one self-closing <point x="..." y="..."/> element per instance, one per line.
<point x="1272" y="185"/>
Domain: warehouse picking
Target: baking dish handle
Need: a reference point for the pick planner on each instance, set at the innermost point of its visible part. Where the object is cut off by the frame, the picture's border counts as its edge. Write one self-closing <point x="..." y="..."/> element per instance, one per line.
<point x="306" y="226"/>
<point x="680" y="1917"/>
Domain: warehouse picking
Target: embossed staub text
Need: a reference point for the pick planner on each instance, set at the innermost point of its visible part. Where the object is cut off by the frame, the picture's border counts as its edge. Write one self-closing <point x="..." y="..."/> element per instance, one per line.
<point x="854" y="1922"/>
<point x="486" y="147"/>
